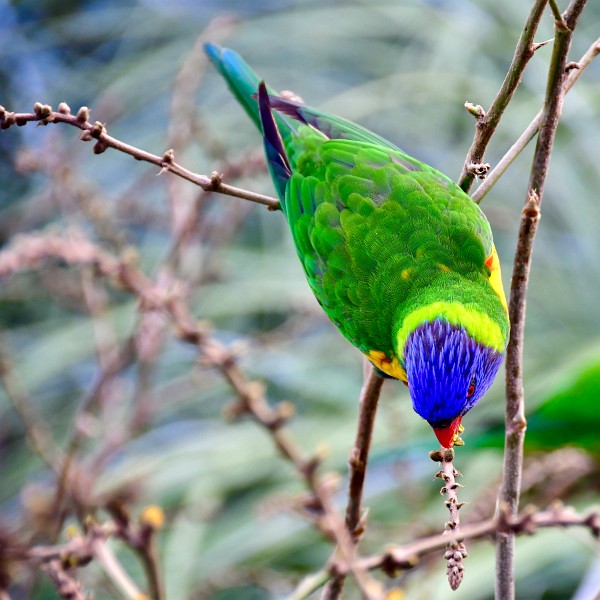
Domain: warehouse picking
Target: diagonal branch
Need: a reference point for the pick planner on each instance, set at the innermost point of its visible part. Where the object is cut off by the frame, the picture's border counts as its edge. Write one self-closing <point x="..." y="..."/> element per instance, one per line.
<point x="574" y="74"/>
<point x="487" y="122"/>
<point x="43" y="114"/>
<point x="38" y="435"/>
<point x="29" y="251"/>
<point x="406" y="557"/>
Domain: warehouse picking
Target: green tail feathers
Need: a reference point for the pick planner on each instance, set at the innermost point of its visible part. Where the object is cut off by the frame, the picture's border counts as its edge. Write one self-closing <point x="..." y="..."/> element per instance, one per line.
<point x="254" y="96"/>
<point x="242" y="80"/>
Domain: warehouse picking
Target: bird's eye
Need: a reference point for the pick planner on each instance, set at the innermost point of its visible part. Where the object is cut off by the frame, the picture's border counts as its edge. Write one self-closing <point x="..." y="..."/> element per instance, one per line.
<point x="471" y="389"/>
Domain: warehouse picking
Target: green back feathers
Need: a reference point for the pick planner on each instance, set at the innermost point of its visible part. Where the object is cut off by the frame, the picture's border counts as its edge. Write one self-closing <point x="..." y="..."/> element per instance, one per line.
<point x="381" y="235"/>
<point x="384" y="239"/>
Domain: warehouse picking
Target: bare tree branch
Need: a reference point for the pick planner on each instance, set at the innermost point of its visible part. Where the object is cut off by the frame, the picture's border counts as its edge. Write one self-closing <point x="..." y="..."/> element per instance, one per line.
<point x="515" y="407"/>
<point x="533" y="127"/>
<point x="43" y="114"/>
<point x="359" y="456"/>
<point x="66" y="586"/>
<point x="528" y="522"/>
<point x="487" y="122"/>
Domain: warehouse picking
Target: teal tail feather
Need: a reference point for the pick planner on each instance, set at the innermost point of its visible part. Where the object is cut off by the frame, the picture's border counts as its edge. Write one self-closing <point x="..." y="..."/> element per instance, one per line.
<point x="251" y="92"/>
<point x="242" y="80"/>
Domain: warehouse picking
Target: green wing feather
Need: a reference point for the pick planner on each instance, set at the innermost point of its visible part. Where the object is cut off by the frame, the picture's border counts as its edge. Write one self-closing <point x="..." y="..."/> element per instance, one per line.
<point x="379" y="233"/>
<point x="378" y="238"/>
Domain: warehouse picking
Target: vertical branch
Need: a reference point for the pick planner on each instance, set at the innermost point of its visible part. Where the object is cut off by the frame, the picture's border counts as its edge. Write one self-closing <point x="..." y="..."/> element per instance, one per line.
<point x="515" y="405"/>
<point x="515" y="408"/>
<point x="369" y="399"/>
<point x="487" y="122"/>
<point x="359" y="455"/>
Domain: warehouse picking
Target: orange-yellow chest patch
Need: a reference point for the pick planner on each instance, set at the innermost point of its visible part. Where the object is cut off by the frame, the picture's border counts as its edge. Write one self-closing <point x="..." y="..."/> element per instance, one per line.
<point x="390" y="366"/>
<point x="493" y="262"/>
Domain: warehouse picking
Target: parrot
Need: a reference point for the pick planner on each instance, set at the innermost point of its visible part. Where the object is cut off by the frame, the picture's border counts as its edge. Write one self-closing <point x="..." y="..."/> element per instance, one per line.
<point x="398" y="256"/>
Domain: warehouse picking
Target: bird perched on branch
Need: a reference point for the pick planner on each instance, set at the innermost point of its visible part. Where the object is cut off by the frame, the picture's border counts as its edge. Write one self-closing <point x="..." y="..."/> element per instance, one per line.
<point x="398" y="256"/>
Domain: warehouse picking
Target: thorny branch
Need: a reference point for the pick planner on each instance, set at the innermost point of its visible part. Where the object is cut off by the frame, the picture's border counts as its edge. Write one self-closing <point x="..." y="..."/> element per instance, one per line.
<point x="401" y="558"/>
<point x="528" y="522"/>
<point x="515" y="409"/>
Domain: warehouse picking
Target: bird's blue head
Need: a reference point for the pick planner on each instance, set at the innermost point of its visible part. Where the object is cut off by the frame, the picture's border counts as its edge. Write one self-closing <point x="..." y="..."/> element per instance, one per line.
<point x="448" y="372"/>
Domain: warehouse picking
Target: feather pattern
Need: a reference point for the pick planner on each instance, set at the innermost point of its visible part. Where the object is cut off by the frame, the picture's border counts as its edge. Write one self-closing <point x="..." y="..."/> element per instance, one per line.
<point x="398" y="256"/>
<point x="448" y="371"/>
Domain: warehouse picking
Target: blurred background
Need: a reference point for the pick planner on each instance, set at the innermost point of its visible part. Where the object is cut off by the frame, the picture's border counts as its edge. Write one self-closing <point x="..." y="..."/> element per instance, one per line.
<point x="154" y="430"/>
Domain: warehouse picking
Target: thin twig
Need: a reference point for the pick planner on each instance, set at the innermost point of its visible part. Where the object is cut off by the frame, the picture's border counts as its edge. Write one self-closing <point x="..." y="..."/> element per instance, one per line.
<point x="38" y="435"/>
<point x="558" y="18"/>
<point x="574" y="74"/>
<point x="66" y="585"/>
<point x="487" y="122"/>
<point x="115" y="571"/>
<point x="141" y="537"/>
<point x="359" y="455"/>
<point x="515" y="409"/>
<point x="44" y="115"/>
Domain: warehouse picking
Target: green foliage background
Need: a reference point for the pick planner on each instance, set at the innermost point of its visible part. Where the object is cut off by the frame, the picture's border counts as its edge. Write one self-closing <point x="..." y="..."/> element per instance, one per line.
<point x="403" y="69"/>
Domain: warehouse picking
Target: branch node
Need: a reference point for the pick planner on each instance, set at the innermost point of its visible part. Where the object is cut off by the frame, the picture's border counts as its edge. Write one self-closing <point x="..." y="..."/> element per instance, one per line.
<point x="169" y="156"/>
<point x="285" y="411"/>
<point x="479" y="170"/>
<point x="448" y="455"/>
<point x="571" y="65"/>
<point x="44" y="111"/>
<point x="593" y="522"/>
<point x="532" y="210"/>
<point x="216" y="179"/>
<point x="98" y="130"/>
<point x="436" y="456"/>
<point x="100" y="146"/>
<point x="6" y="119"/>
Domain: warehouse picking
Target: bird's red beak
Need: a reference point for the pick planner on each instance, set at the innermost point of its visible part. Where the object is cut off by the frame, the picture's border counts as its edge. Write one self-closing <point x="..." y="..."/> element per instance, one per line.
<point x="447" y="435"/>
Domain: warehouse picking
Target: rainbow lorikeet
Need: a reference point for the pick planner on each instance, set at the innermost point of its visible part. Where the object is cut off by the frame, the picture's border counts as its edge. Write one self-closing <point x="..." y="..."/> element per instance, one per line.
<point x="398" y="256"/>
